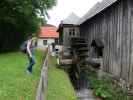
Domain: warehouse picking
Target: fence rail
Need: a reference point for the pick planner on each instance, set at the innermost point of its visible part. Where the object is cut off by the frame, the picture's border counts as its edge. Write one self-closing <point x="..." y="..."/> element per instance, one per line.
<point x="40" y="95"/>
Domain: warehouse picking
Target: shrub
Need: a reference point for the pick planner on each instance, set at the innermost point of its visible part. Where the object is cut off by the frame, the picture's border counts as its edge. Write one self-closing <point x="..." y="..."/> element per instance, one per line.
<point x="106" y="89"/>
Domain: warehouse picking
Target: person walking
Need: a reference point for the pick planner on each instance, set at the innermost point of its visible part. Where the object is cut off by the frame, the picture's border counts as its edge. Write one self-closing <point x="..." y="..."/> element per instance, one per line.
<point x="30" y="53"/>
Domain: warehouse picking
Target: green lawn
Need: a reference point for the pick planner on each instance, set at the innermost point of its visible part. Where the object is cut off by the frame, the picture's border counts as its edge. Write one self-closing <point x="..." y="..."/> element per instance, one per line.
<point x="59" y="85"/>
<point x="15" y="83"/>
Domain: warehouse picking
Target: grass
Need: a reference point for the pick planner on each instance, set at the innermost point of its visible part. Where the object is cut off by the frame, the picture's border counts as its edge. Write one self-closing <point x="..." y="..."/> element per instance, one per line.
<point x="59" y="85"/>
<point x="15" y="83"/>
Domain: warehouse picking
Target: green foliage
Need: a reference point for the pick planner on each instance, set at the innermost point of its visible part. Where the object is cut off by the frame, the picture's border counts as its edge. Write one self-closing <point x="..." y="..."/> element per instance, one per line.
<point x="42" y="5"/>
<point x="15" y="83"/>
<point x="18" y="19"/>
<point x="106" y="89"/>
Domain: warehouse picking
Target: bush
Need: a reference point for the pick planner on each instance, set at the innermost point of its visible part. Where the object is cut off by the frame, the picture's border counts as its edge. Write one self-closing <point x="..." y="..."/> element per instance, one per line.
<point x="106" y="89"/>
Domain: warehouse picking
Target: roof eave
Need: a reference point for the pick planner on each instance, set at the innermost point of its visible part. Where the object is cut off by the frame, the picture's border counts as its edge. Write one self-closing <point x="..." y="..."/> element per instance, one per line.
<point x="96" y="13"/>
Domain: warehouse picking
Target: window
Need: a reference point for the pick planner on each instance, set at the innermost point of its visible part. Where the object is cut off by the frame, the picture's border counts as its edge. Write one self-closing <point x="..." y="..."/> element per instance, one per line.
<point x="72" y="32"/>
<point x="44" y="42"/>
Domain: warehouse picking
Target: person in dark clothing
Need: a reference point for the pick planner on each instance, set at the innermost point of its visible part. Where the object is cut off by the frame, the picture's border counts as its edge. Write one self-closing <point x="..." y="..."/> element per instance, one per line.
<point x="30" y="53"/>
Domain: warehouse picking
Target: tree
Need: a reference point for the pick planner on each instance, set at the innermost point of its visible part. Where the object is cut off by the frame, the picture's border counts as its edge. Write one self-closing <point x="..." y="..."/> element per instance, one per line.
<point x="18" y="19"/>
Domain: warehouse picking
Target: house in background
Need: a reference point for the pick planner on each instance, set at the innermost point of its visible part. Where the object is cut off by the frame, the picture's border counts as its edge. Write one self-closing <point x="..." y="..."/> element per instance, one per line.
<point x="47" y="35"/>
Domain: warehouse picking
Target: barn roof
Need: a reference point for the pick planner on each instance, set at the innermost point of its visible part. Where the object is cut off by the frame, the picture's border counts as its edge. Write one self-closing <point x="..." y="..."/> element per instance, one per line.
<point x="48" y="32"/>
<point x="71" y="19"/>
<point x="100" y="6"/>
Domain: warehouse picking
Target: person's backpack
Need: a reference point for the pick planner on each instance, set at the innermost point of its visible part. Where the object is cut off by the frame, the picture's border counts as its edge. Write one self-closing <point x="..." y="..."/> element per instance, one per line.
<point x="23" y="47"/>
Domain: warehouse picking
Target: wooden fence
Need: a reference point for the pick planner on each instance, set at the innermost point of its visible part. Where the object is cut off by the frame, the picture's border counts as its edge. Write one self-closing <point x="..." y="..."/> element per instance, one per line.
<point x="40" y="95"/>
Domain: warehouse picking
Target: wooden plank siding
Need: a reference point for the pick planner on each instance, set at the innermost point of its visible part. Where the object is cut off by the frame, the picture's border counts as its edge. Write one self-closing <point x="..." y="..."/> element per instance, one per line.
<point x="66" y="34"/>
<point x="131" y="40"/>
<point x="114" y="26"/>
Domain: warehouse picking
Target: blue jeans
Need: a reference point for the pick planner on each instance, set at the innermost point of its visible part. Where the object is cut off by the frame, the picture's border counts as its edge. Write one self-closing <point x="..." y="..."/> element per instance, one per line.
<point x="31" y="64"/>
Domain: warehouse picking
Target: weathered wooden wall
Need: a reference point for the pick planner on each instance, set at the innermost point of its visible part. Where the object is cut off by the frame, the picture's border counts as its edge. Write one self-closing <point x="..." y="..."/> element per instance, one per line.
<point x="114" y="26"/>
<point x="67" y="36"/>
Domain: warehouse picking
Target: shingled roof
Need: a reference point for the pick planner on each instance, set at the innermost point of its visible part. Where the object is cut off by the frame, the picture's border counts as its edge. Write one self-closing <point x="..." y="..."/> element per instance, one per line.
<point x="100" y="6"/>
<point x="71" y="19"/>
<point x="48" y="32"/>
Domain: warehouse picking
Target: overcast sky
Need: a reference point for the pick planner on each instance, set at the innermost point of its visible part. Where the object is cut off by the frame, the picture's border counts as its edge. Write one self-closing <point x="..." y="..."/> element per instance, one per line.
<point x="66" y="7"/>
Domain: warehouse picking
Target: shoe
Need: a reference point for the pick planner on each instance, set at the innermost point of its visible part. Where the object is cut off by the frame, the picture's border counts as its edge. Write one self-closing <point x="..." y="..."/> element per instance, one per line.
<point x="29" y="73"/>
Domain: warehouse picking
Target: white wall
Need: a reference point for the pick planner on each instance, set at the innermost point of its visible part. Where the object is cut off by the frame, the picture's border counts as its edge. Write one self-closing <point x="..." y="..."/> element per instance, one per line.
<point x="41" y="45"/>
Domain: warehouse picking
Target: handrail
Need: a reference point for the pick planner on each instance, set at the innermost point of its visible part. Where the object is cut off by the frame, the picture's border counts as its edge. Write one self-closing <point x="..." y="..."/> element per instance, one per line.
<point x="40" y="94"/>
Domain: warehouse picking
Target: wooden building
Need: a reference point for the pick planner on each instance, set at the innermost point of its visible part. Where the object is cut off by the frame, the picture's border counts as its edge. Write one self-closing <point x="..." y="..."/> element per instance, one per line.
<point x="109" y="24"/>
<point x="67" y="29"/>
